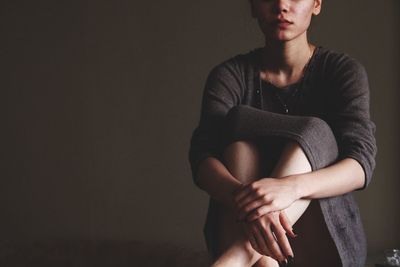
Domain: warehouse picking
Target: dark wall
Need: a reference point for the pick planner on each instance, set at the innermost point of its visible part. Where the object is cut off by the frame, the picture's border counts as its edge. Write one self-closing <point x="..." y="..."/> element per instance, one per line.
<point x="101" y="98"/>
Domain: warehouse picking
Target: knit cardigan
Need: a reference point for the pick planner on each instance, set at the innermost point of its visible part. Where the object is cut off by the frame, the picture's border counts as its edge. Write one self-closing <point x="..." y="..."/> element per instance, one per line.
<point x="334" y="89"/>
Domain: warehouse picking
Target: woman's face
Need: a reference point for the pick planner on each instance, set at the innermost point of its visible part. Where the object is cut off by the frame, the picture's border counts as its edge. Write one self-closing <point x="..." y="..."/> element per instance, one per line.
<point x="284" y="20"/>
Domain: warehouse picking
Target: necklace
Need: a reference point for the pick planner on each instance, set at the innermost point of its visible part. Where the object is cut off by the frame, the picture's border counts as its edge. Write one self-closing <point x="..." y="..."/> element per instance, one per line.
<point x="276" y="94"/>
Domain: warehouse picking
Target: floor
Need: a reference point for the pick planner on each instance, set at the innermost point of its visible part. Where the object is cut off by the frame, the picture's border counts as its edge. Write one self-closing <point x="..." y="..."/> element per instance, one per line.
<point x="79" y="253"/>
<point x="98" y="253"/>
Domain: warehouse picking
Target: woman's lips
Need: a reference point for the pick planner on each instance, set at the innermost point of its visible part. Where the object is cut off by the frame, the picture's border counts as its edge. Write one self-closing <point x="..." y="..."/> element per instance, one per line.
<point x="283" y="23"/>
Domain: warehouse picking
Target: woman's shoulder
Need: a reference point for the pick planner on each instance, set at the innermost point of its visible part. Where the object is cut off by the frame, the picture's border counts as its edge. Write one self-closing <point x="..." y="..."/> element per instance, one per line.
<point x="239" y="63"/>
<point x="334" y="63"/>
<point x="340" y="73"/>
<point x="238" y="70"/>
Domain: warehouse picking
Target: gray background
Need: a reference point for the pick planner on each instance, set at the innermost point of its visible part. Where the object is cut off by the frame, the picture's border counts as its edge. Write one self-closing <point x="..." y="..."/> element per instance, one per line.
<point x="101" y="98"/>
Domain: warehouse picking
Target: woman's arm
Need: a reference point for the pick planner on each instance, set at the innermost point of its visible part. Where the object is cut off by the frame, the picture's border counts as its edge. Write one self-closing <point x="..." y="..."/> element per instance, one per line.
<point x="348" y="116"/>
<point x="214" y="178"/>
<point x="269" y="194"/>
<point x="344" y="176"/>
<point x="221" y="92"/>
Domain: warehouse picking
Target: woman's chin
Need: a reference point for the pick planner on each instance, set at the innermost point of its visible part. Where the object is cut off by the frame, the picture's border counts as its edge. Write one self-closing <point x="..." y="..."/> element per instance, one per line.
<point x="281" y="37"/>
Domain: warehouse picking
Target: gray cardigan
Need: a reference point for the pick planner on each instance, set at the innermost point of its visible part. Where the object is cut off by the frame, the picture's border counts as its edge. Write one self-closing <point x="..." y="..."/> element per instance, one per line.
<point x="335" y="89"/>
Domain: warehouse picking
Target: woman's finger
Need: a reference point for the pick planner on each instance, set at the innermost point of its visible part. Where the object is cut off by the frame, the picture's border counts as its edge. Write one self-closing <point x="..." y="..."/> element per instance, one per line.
<point x="243" y="192"/>
<point x="249" y="198"/>
<point x="259" y="212"/>
<point x="258" y="236"/>
<point x="287" y="225"/>
<point x="282" y="239"/>
<point x="272" y="245"/>
<point x="251" y="205"/>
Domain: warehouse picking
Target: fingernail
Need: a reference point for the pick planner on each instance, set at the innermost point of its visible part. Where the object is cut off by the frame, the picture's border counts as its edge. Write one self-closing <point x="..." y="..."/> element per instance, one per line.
<point x="295" y="235"/>
<point x="283" y="264"/>
<point x="290" y="259"/>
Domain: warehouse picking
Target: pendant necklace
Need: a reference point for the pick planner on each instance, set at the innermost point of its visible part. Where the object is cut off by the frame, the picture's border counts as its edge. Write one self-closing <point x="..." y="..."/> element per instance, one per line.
<point x="276" y="94"/>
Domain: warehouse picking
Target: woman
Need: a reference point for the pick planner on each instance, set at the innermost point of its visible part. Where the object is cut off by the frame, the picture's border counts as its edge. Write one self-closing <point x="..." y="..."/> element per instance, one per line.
<point x="284" y="139"/>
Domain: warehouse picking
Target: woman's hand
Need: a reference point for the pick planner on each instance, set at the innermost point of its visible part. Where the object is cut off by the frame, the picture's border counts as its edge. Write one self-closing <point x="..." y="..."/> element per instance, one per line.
<point x="263" y="196"/>
<point x="267" y="235"/>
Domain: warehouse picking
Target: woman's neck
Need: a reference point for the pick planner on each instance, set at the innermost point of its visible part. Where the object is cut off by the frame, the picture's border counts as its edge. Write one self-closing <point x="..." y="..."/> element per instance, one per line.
<point x="283" y="62"/>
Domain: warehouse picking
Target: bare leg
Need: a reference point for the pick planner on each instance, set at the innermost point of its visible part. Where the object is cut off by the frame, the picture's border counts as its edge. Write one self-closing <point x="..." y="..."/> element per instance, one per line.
<point x="242" y="160"/>
<point x="293" y="161"/>
<point x="314" y="246"/>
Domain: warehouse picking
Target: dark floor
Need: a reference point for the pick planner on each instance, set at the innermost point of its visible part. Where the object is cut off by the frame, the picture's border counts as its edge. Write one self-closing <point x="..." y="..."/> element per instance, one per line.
<point x="99" y="254"/>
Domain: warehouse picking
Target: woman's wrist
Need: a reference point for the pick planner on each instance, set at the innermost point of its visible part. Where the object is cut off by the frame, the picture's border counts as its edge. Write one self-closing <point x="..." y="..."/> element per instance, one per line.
<point x="298" y="184"/>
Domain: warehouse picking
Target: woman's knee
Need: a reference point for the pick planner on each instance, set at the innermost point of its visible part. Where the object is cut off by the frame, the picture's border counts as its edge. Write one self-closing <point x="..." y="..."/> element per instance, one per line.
<point x="318" y="142"/>
<point x="316" y="127"/>
<point x="236" y="121"/>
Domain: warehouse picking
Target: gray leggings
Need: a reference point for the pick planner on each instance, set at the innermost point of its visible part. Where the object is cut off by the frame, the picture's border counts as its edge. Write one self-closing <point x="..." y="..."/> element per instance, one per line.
<point x="244" y="122"/>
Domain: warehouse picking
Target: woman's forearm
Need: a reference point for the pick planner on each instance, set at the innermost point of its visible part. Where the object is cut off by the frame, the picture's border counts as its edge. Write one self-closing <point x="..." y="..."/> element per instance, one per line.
<point x="214" y="178"/>
<point x="342" y="177"/>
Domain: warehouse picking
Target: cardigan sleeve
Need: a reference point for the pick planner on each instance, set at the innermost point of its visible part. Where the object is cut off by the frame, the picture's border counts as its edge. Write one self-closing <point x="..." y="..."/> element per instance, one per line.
<point x="349" y="114"/>
<point x="221" y="92"/>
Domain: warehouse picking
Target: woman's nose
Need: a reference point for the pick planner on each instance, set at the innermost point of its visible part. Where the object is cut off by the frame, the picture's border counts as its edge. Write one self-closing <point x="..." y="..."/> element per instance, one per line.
<point x="282" y="6"/>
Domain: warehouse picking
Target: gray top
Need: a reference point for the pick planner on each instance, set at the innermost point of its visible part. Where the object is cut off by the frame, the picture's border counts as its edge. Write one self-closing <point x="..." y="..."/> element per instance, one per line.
<point x="334" y="89"/>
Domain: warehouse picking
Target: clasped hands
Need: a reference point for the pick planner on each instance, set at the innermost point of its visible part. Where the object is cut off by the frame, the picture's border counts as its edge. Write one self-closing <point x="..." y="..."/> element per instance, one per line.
<point x="260" y="206"/>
